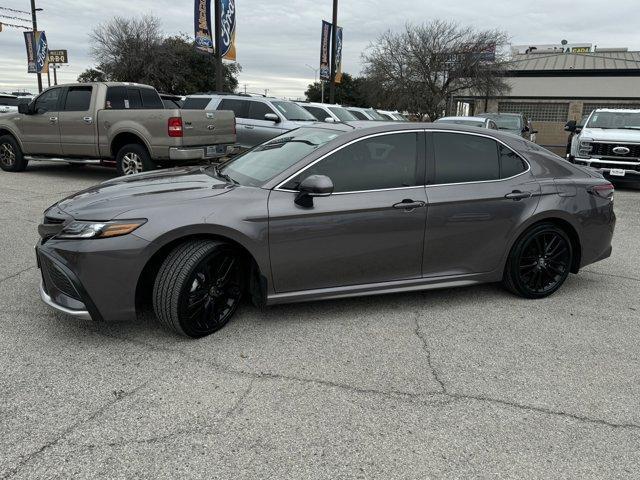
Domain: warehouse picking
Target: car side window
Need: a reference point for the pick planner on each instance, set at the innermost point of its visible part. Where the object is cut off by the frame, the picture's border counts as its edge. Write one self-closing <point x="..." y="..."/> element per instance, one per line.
<point x="116" y="97"/>
<point x="317" y="112"/>
<point x="510" y="163"/>
<point x="48" y="101"/>
<point x="359" y="115"/>
<point x="239" y="107"/>
<point x="258" y="110"/>
<point x="78" y="99"/>
<point x="463" y="158"/>
<point x="196" y="103"/>
<point x="384" y="161"/>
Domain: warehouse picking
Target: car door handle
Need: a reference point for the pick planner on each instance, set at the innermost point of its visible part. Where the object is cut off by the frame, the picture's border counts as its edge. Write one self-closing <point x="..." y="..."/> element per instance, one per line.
<point x="517" y="195"/>
<point x="53" y="119"/>
<point x="87" y="120"/>
<point x="249" y="127"/>
<point x="409" y="205"/>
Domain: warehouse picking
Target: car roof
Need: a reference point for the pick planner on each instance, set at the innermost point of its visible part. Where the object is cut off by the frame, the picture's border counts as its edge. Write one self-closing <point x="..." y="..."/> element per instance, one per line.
<point x="321" y="105"/>
<point x="617" y="110"/>
<point x="495" y="114"/>
<point x="238" y="96"/>
<point x="475" y="119"/>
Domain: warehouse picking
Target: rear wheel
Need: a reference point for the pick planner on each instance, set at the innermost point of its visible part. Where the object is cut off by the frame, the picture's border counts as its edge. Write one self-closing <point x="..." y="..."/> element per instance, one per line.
<point x="11" y="157"/>
<point x="539" y="262"/>
<point x="198" y="287"/>
<point x="133" y="158"/>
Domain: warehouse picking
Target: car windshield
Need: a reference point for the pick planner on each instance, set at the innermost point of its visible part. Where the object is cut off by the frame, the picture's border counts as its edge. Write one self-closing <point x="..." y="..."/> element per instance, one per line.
<point x="265" y="161"/>
<point x="343" y="114"/>
<point x="375" y="115"/>
<point x="624" y="120"/>
<point x="10" y="101"/>
<point x="505" y="122"/>
<point x="293" y="111"/>
<point x="471" y="123"/>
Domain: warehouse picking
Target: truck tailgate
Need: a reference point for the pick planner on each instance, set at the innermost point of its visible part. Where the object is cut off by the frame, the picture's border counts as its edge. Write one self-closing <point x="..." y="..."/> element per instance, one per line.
<point x="208" y="127"/>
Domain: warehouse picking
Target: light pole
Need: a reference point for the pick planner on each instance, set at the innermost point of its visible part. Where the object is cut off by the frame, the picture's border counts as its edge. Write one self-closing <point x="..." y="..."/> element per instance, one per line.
<point x="315" y="79"/>
<point x="218" y="39"/>
<point x="35" y="29"/>
<point x="334" y="48"/>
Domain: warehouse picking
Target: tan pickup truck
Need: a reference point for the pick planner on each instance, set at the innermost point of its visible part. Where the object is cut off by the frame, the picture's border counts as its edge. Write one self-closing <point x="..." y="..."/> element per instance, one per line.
<point x="117" y="124"/>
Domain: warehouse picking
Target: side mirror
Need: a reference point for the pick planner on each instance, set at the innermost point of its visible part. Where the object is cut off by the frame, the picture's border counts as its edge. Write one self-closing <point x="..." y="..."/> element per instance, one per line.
<point x="272" y="117"/>
<point x="329" y="120"/>
<point x="23" y="108"/>
<point x="525" y="129"/>
<point x="313" y="186"/>
<point x="570" y="126"/>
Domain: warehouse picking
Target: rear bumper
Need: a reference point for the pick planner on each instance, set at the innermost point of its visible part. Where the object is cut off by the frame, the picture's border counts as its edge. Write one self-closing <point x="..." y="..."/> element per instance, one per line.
<point x="198" y="153"/>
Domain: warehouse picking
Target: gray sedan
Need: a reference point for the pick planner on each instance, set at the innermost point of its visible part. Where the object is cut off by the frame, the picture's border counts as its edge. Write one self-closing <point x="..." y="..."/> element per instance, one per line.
<point x="326" y="211"/>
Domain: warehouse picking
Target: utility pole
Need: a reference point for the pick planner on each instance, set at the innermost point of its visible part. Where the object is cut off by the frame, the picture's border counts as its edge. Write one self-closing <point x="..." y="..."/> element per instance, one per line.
<point x="55" y="75"/>
<point x="334" y="48"/>
<point x="35" y="29"/>
<point x="218" y="39"/>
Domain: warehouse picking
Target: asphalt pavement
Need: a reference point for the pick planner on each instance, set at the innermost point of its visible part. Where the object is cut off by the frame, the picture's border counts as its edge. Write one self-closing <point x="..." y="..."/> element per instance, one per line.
<point x="456" y="383"/>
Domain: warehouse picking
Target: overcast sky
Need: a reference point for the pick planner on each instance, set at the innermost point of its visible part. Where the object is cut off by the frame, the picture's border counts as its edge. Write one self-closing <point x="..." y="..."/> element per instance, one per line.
<point x="276" y="38"/>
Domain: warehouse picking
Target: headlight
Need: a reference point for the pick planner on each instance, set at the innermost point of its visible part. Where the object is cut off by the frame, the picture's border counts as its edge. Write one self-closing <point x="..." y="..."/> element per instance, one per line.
<point x="78" y="229"/>
<point x="585" y="147"/>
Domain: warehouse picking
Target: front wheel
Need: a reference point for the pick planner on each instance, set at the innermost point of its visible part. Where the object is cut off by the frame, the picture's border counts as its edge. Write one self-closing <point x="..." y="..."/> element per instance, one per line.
<point x="132" y="159"/>
<point x="11" y="157"/>
<point x="198" y="287"/>
<point x="539" y="262"/>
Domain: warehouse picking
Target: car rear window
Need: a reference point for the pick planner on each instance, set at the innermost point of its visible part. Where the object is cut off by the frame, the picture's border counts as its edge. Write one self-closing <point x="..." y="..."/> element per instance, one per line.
<point x="196" y="103"/>
<point x="151" y="99"/>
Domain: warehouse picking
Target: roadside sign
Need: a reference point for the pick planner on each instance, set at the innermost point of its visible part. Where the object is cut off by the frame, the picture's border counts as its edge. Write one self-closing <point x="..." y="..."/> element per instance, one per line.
<point x="58" y="56"/>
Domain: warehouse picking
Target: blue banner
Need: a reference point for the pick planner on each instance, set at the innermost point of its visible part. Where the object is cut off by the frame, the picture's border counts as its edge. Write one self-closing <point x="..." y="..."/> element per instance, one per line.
<point x="202" y="26"/>
<point x="228" y="23"/>
<point x="42" y="52"/>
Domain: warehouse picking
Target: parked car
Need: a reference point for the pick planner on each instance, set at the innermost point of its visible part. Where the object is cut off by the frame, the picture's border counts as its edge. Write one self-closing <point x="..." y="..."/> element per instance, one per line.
<point x="326" y="211"/>
<point x="258" y="118"/>
<point x="365" y="114"/>
<point x="117" y="124"/>
<point x="9" y="103"/>
<point x="393" y="116"/>
<point x="324" y="112"/>
<point x="172" y="101"/>
<point x="514" y="123"/>
<point x="609" y="141"/>
<point x="479" y="122"/>
<point x="574" y="128"/>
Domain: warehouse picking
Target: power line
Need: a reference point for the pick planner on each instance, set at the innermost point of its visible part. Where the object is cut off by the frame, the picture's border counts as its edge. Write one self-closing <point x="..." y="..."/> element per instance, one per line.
<point x="13" y="10"/>
<point x="15" y="18"/>
<point x="14" y="26"/>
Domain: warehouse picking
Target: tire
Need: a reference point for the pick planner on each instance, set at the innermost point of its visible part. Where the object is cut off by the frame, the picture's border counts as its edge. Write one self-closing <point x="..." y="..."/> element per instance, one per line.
<point x="539" y="262"/>
<point x="133" y="158"/>
<point x="11" y="156"/>
<point x="190" y="295"/>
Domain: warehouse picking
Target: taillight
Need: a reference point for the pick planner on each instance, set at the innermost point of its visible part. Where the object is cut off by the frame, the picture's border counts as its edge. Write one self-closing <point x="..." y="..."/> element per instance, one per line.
<point x="604" y="190"/>
<point x="175" y="127"/>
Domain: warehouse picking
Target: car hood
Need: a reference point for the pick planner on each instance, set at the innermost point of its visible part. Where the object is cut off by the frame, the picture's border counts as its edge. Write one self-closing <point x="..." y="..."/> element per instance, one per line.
<point x="114" y="198"/>
<point x="611" y="134"/>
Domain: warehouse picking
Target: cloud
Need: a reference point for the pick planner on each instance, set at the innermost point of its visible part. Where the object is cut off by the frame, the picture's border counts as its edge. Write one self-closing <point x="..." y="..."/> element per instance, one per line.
<point x="277" y="39"/>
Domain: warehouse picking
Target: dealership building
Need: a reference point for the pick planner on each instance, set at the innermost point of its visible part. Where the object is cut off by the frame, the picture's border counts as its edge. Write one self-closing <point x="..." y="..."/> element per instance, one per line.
<point x="553" y="85"/>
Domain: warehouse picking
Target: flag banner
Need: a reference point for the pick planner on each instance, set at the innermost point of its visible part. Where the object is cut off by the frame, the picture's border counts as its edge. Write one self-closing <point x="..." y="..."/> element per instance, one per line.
<point x="228" y="23"/>
<point x="338" y="55"/>
<point x="325" y="51"/>
<point x="42" y="52"/>
<point x="29" y="41"/>
<point x="202" y="26"/>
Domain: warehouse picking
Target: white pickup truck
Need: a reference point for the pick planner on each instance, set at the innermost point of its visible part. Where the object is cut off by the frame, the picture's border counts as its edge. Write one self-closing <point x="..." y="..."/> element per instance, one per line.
<point x="608" y="141"/>
<point x="124" y="125"/>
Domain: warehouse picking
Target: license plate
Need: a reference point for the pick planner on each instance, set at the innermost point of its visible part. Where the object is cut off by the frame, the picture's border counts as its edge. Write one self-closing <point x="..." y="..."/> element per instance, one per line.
<point x="617" y="172"/>
<point x="216" y="150"/>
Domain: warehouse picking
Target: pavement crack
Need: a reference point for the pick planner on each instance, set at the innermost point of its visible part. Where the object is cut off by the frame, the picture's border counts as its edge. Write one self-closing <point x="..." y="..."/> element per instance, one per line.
<point x="425" y="346"/>
<point x="28" y="458"/>
<point x="612" y="275"/>
<point x="237" y="406"/>
<point x="17" y="274"/>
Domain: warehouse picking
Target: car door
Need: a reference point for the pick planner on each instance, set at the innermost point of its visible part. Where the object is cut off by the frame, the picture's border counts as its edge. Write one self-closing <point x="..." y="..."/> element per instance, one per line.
<point x="77" y="125"/>
<point x="370" y="230"/>
<point x="41" y="129"/>
<point x="480" y="191"/>
<point x="240" y="108"/>
<point x="260" y="129"/>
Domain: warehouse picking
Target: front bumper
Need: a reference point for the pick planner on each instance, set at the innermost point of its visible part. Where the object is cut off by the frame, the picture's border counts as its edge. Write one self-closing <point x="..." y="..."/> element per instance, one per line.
<point x="79" y="314"/>
<point x="198" y="153"/>
<point x="605" y="166"/>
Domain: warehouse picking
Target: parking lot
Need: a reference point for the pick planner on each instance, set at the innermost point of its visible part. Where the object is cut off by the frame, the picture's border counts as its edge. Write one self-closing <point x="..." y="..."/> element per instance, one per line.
<point x="463" y="383"/>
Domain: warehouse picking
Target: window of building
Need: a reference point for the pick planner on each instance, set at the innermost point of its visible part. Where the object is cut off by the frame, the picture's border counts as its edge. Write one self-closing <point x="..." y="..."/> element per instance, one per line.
<point x="537" y="112"/>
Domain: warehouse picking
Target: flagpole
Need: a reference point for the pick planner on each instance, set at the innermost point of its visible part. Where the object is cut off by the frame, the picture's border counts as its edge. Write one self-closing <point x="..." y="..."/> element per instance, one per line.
<point x="218" y="48"/>
<point x="35" y="29"/>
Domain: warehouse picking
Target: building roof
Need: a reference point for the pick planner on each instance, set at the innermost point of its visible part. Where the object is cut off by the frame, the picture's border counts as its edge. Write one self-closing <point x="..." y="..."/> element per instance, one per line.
<point x="583" y="62"/>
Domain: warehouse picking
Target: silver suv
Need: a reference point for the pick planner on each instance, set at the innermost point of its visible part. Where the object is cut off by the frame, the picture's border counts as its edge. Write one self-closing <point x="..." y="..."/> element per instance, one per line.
<point x="258" y="119"/>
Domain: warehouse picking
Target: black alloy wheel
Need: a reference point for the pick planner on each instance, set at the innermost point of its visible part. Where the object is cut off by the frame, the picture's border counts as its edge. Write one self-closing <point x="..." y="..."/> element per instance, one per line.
<point x="198" y="287"/>
<point x="540" y="262"/>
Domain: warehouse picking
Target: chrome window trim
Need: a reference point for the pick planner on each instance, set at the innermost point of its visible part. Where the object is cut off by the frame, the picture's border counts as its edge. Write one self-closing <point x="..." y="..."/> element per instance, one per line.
<point x="280" y="189"/>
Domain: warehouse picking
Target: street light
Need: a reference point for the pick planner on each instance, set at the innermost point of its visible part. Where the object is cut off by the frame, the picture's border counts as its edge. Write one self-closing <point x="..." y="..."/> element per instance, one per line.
<point x="315" y="79"/>
<point x="35" y="29"/>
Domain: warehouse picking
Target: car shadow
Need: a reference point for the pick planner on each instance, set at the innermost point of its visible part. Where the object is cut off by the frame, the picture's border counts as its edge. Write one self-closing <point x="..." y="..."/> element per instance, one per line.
<point x="68" y="171"/>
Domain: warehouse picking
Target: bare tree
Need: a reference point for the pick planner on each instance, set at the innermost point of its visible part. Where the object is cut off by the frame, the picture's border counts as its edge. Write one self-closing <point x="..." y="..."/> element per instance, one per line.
<point x="422" y="67"/>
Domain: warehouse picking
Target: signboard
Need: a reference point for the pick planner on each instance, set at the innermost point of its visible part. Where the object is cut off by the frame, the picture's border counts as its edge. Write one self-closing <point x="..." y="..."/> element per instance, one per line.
<point x="202" y="26"/>
<point x="325" y="51"/>
<point x="551" y="48"/>
<point x="58" y="56"/>
<point x="42" y="52"/>
<point x="29" y="41"/>
<point x="338" y="55"/>
<point x="228" y="35"/>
